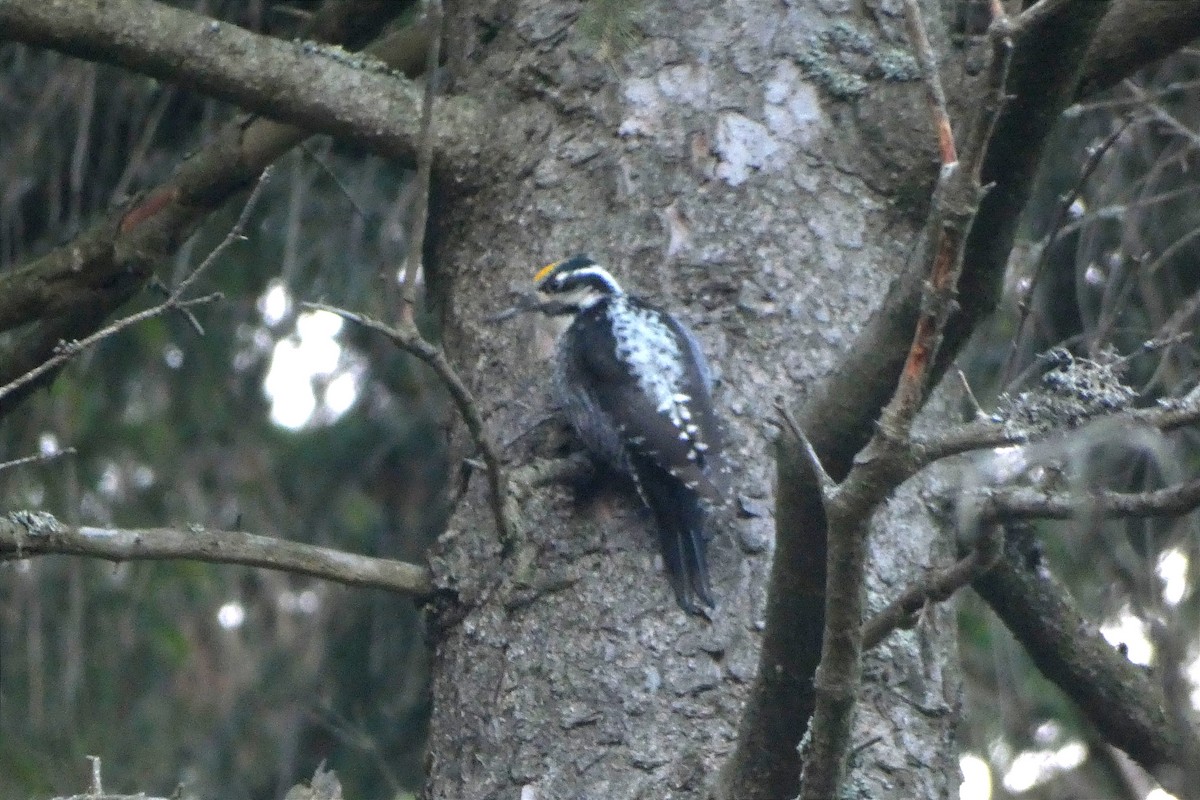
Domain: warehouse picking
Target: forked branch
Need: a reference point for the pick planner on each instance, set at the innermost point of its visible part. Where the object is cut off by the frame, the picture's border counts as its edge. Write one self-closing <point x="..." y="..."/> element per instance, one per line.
<point x="886" y="460"/>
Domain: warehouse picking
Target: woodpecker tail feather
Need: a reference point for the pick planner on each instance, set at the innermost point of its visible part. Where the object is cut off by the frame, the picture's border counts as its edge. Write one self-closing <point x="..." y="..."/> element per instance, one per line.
<point x="679" y="517"/>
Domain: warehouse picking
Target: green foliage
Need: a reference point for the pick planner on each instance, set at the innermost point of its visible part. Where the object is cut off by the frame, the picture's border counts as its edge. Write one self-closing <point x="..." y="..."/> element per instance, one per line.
<point x="611" y="26"/>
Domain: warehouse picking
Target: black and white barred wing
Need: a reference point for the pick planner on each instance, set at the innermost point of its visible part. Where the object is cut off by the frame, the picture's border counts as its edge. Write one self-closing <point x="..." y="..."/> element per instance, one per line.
<point x="646" y="375"/>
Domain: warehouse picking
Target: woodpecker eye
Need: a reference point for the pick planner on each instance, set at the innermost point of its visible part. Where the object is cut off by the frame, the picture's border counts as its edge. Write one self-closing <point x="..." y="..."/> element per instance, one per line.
<point x="584" y="283"/>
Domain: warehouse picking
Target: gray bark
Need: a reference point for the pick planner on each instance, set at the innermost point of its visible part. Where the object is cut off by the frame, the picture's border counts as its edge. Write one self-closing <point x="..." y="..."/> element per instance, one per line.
<point x="740" y="163"/>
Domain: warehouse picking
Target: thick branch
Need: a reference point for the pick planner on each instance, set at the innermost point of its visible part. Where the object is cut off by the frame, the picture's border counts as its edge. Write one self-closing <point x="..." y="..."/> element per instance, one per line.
<point x="1133" y="34"/>
<point x="1119" y="698"/>
<point x="24" y="534"/>
<point x="323" y="90"/>
<point x="1023" y="503"/>
<point x="1045" y="77"/>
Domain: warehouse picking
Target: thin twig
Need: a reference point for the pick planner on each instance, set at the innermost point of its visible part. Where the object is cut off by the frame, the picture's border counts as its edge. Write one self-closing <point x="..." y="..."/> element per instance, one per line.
<point x="409" y="339"/>
<point x="933" y="82"/>
<point x="234" y="235"/>
<point x="1094" y="156"/>
<point x="1160" y="113"/>
<point x="420" y="214"/>
<point x="1169" y="334"/>
<point x="542" y="472"/>
<point x="357" y="736"/>
<point x="39" y="458"/>
<point x="977" y="411"/>
<point x="68" y="350"/>
<point x="330" y="173"/>
<point x="156" y="285"/>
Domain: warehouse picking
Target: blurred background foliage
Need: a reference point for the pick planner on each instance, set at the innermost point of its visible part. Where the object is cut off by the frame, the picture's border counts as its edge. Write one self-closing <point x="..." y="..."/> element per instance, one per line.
<point x="1107" y="267"/>
<point x="237" y="683"/>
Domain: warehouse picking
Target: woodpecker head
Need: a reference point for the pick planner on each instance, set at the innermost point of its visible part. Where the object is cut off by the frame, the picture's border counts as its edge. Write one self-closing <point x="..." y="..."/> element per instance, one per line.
<point x="574" y="284"/>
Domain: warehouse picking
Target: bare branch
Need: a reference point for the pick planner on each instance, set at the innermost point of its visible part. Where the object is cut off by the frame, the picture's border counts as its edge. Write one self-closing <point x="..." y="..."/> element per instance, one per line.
<point x="976" y="410"/>
<point x="991" y="433"/>
<point x="25" y="534"/>
<point x="235" y="235"/>
<point x="1094" y="157"/>
<point x="1036" y="13"/>
<point x="919" y="39"/>
<point x="1116" y="696"/>
<point x="416" y="236"/>
<point x="68" y="350"/>
<point x="1016" y="503"/>
<point x="955" y="202"/>
<point x="935" y="588"/>
<point x="409" y="339"/>
<point x="174" y="302"/>
<point x="542" y="472"/>
<point x="67" y="293"/>
<point x="827" y="483"/>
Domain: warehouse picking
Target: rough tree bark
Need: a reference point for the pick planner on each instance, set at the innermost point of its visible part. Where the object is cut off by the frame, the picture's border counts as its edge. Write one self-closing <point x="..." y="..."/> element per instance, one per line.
<point x="745" y="164"/>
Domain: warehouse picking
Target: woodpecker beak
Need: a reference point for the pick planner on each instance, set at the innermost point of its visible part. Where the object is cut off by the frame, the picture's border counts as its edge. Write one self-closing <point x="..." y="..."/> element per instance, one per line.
<point x="526" y="301"/>
<point x="531" y="301"/>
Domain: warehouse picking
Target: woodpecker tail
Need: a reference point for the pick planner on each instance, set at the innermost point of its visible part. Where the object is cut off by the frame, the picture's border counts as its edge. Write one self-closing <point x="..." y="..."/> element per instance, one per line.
<point x="680" y="521"/>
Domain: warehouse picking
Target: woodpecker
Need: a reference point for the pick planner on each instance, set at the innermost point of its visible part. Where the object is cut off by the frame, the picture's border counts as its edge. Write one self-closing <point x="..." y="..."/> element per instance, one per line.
<point x="635" y="387"/>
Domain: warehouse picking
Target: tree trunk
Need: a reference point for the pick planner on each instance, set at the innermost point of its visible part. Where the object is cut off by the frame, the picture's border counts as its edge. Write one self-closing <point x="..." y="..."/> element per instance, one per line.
<point x="747" y="165"/>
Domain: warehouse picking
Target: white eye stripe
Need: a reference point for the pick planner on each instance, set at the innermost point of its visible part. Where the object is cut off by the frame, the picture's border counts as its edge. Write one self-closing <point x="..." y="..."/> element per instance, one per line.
<point x="582" y="274"/>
